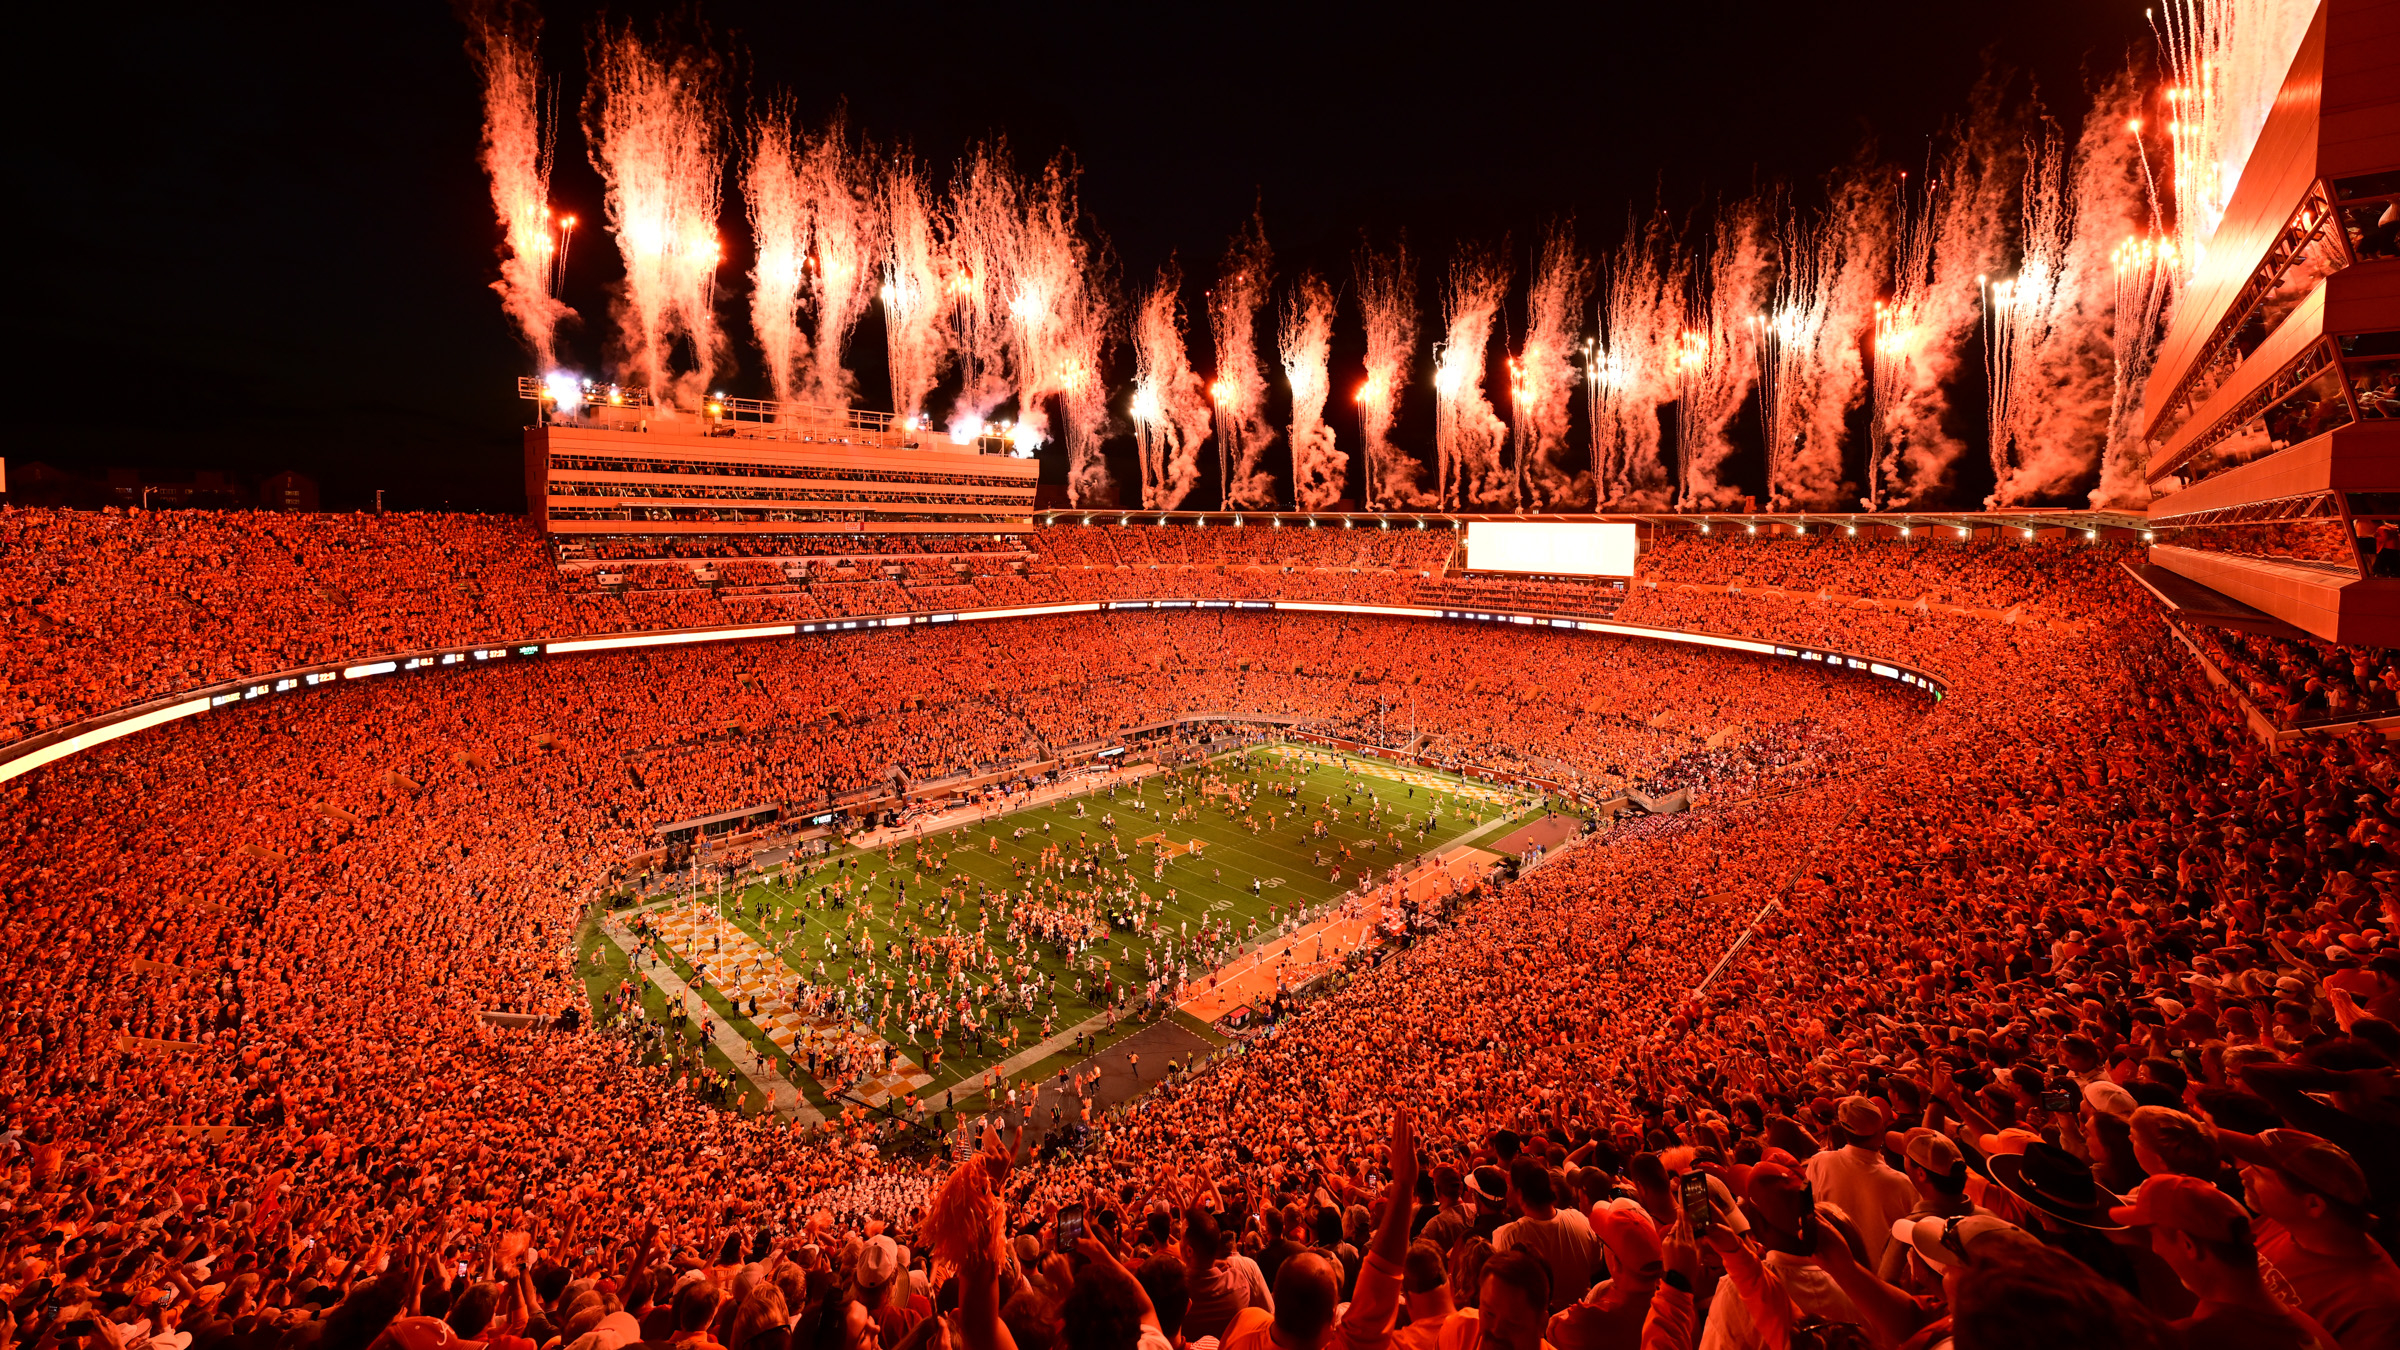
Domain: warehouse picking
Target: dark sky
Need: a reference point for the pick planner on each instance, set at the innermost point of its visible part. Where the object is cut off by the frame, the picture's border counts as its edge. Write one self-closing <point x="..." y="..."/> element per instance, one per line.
<point x="262" y="240"/>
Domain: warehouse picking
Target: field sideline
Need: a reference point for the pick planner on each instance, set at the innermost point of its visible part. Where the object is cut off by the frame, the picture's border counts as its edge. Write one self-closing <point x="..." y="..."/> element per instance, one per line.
<point x="1358" y="800"/>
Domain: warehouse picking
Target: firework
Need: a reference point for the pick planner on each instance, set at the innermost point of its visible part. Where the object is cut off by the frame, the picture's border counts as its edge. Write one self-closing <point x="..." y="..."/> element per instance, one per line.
<point x="1628" y="371"/>
<point x="1468" y="434"/>
<point x="982" y="220"/>
<point x="913" y="290"/>
<point x="520" y="127"/>
<point x="779" y="242"/>
<point x="656" y="132"/>
<point x="1319" y="470"/>
<point x="1713" y="365"/>
<point x="1170" y="401"/>
<point x="2228" y="59"/>
<point x="1546" y="377"/>
<point x="1058" y="321"/>
<point x="1387" y="302"/>
<point x="1948" y="249"/>
<point x="1851" y="263"/>
<point x="1239" y="391"/>
<point x="846" y="232"/>
<point x="1785" y="343"/>
<point x="2070" y="357"/>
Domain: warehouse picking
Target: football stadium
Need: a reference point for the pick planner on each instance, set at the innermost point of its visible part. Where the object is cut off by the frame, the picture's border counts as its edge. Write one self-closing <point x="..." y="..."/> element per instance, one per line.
<point x="1818" y="771"/>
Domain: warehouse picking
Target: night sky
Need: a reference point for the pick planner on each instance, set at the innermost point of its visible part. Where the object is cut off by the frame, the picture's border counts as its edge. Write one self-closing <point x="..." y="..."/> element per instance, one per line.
<point x="262" y="241"/>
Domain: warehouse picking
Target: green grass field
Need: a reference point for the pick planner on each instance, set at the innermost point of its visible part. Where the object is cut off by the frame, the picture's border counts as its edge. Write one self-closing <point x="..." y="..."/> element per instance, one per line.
<point x="1378" y="818"/>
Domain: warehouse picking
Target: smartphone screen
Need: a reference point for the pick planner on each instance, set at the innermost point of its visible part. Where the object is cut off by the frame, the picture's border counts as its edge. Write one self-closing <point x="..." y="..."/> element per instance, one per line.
<point x="1698" y="1205"/>
<point x="1070" y="1224"/>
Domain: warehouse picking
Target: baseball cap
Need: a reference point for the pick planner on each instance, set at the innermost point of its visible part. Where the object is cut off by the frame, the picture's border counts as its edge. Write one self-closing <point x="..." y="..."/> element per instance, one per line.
<point x="2109" y="1098"/>
<point x="1933" y="1151"/>
<point x="879" y="1260"/>
<point x="2186" y="1205"/>
<point x="1948" y="1242"/>
<point x="2312" y="1160"/>
<point x="1859" y="1116"/>
<point x="1629" y="1234"/>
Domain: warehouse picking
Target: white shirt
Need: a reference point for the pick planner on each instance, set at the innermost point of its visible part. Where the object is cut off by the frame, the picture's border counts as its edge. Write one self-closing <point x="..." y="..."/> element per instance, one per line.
<point x="1867" y="1190"/>
<point x="1812" y="1291"/>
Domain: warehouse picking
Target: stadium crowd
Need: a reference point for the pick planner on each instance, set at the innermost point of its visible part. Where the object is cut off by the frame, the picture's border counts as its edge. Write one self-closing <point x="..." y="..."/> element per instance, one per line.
<point x="2066" y="1020"/>
<point x="113" y="608"/>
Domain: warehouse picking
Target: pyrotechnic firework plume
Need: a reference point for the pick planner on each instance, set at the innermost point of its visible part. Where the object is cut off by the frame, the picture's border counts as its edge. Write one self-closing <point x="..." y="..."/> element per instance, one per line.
<point x="1387" y="303"/>
<point x="2143" y="266"/>
<point x="520" y="126"/>
<point x="1852" y="264"/>
<point x="1967" y="207"/>
<point x="914" y="294"/>
<point x="1059" y="317"/>
<point x="985" y="214"/>
<point x="2228" y="59"/>
<point x="2017" y="310"/>
<point x="1631" y="369"/>
<point x="652" y="120"/>
<point x="1546" y="377"/>
<point x="1239" y="391"/>
<point x="1713" y="364"/>
<point x="2053" y="416"/>
<point x="1170" y="400"/>
<point x="1467" y="433"/>
<point x="1895" y="339"/>
<point x="779" y="274"/>
<point x="846" y="239"/>
<point x="1319" y="470"/>
<point x="1784" y="341"/>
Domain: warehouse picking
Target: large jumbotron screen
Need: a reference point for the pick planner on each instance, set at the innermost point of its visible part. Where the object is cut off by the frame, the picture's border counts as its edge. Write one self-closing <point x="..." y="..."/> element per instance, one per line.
<point x="1593" y="550"/>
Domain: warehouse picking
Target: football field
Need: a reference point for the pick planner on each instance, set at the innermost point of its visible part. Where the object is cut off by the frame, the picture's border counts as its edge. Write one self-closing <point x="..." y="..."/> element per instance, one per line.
<point x="958" y="949"/>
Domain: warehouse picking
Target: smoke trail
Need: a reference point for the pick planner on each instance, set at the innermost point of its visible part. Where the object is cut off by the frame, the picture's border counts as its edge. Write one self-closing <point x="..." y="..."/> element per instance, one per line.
<point x="1853" y="260"/>
<point x="1562" y="281"/>
<point x="1784" y="340"/>
<point x="846" y="236"/>
<point x="1059" y="316"/>
<point x="518" y="135"/>
<point x="656" y="132"/>
<point x="984" y="216"/>
<point x="1387" y="303"/>
<point x="1319" y="470"/>
<point x="2229" y="59"/>
<point x="2143" y="266"/>
<point x="1713" y="362"/>
<point x="1961" y="250"/>
<point x="2053" y="416"/>
<point x="1240" y="389"/>
<point x="1896" y="340"/>
<point x="1632" y="369"/>
<point x="779" y="244"/>
<point x="1170" y="401"/>
<point x="913" y="291"/>
<point x="1467" y="434"/>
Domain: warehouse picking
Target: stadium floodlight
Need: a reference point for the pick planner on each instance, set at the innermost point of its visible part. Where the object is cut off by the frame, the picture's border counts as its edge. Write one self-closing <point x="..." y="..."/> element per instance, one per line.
<point x="1854" y="529"/>
<point x="1904" y="532"/>
<point x="1800" y="527"/>
<point x="1753" y="527"/>
<point x="1962" y="531"/>
<point x="2091" y="534"/>
<point x="2029" y="534"/>
<point x="1704" y="527"/>
<point x="2148" y="537"/>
